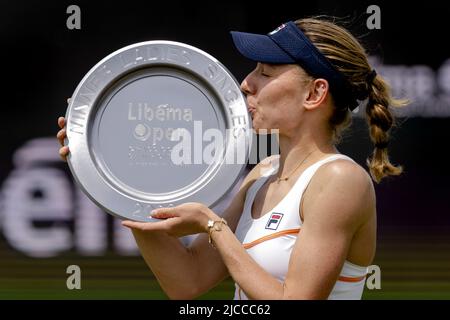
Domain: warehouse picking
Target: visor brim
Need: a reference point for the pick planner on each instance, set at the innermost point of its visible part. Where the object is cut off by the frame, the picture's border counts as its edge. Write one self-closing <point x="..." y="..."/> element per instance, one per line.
<point x="260" y="48"/>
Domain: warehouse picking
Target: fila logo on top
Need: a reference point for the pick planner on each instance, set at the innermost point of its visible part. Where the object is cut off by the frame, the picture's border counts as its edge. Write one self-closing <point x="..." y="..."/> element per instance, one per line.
<point x="274" y="221"/>
<point x="277" y="29"/>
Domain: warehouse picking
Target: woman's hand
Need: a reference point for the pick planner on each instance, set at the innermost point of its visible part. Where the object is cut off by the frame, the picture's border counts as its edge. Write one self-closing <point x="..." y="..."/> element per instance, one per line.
<point x="186" y="219"/>
<point x="61" y="135"/>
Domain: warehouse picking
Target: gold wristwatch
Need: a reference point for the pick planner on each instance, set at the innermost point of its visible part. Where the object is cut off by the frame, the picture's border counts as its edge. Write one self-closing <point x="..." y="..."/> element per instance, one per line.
<point x="215" y="225"/>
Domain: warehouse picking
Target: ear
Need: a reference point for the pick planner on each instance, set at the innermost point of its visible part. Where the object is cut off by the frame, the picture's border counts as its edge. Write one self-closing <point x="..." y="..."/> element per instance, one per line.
<point x="318" y="92"/>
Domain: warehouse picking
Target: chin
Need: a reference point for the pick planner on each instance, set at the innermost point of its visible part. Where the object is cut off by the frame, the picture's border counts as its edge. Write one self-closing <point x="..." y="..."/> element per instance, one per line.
<point x="262" y="128"/>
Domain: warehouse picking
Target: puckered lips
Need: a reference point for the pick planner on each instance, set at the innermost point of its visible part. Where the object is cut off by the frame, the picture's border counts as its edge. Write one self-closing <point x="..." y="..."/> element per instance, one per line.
<point x="251" y="109"/>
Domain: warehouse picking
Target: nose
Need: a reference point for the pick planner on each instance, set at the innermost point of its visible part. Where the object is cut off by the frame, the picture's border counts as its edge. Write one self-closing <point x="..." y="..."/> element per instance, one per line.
<point x="247" y="85"/>
<point x="244" y="87"/>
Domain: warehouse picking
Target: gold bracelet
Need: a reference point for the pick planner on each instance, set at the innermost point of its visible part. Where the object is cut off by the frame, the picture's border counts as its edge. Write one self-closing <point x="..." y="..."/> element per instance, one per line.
<point x="215" y="225"/>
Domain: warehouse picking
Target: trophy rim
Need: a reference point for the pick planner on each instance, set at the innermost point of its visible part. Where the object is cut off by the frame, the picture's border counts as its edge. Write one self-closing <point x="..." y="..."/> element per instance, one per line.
<point x="118" y="201"/>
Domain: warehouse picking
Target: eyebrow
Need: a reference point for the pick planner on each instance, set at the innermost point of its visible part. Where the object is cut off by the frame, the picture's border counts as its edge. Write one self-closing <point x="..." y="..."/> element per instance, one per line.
<point x="270" y="65"/>
<point x="273" y="67"/>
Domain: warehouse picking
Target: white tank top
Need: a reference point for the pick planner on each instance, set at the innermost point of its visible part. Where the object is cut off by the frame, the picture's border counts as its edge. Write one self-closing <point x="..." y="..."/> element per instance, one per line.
<point x="269" y="239"/>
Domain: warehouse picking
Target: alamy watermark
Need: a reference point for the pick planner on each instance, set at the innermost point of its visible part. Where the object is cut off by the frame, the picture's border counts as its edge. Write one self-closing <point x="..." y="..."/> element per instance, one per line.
<point x="374" y="20"/>
<point x="74" y="280"/>
<point x="373" y="280"/>
<point x="74" y="20"/>
<point x="197" y="145"/>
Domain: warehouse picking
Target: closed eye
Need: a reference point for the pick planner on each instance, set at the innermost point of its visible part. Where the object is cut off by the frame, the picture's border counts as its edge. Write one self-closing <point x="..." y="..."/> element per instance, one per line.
<point x="266" y="70"/>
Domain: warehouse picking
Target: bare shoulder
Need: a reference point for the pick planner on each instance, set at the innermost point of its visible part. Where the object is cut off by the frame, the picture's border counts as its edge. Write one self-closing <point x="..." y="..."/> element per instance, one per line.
<point x="343" y="186"/>
<point x="347" y="173"/>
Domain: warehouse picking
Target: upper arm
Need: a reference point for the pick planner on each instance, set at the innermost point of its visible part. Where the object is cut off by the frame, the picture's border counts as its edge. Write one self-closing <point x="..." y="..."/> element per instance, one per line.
<point x="337" y="202"/>
<point x="213" y="270"/>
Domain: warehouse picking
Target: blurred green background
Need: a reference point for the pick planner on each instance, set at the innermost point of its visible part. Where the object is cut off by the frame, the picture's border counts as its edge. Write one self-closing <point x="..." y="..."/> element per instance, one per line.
<point x="414" y="264"/>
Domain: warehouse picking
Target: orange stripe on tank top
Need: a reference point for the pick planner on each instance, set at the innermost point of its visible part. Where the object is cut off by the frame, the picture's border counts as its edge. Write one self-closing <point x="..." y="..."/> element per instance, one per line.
<point x="292" y="231"/>
<point x="351" y="279"/>
<point x="270" y="237"/>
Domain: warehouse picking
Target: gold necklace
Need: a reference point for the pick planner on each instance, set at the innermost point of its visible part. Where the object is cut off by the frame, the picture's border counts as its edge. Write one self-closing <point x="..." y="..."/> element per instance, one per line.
<point x="298" y="166"/>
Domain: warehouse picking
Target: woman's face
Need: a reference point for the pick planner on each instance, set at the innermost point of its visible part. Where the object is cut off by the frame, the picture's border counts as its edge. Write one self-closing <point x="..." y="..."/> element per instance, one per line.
<point x="275" y="95"/>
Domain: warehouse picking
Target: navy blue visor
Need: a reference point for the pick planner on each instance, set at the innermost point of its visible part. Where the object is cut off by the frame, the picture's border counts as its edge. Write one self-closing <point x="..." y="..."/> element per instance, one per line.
<point x="288" y="45"/>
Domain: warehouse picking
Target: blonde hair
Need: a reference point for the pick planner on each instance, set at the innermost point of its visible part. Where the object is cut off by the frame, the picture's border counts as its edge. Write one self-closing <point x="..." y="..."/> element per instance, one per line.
<point x="348" y="56"/>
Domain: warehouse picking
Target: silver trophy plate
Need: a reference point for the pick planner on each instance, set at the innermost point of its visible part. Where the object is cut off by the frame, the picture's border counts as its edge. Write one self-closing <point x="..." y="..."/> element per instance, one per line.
<point x="157" y="124"/>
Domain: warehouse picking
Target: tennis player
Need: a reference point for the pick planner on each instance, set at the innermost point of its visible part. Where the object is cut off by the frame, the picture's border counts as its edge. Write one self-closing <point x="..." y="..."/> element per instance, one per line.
<point x="303" y="224"/>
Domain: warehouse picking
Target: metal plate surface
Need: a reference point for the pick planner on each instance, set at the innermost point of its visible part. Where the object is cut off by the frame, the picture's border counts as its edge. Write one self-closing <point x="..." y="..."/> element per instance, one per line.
<point x="157" y="124"/>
